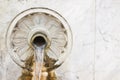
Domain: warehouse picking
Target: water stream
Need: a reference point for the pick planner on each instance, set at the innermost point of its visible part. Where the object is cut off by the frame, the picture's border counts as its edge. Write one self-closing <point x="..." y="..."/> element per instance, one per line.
<point x="39" y="46"/>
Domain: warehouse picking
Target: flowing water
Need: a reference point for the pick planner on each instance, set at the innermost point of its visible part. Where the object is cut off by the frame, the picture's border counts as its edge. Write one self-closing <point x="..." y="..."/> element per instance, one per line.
<point x="39" y="55"/>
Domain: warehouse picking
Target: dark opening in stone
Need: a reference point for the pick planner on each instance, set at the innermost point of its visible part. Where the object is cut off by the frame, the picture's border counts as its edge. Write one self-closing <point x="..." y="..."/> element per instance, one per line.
<point x="39" y="41"/>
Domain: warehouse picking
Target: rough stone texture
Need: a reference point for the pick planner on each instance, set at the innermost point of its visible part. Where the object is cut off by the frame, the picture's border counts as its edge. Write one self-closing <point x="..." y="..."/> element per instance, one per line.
<point x="96" y="37"/>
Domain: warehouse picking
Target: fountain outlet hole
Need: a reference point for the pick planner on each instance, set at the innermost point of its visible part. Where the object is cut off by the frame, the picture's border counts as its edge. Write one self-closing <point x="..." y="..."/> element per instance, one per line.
<point x="39" y="41"/>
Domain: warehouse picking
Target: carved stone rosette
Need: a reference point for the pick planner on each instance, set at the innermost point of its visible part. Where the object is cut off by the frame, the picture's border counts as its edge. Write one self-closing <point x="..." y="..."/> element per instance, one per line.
<point x="26" y="25"/>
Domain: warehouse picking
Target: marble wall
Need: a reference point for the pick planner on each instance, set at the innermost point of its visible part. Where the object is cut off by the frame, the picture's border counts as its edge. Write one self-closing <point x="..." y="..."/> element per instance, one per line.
<point x="96" y="37"/>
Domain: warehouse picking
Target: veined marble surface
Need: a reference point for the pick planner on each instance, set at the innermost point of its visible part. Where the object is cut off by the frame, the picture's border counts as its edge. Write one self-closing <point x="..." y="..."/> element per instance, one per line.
<point x="95" y="26"/>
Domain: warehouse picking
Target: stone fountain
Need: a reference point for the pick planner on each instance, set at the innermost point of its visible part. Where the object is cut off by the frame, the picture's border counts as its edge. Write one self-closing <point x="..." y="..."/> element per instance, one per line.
<point x="38" y="40"/>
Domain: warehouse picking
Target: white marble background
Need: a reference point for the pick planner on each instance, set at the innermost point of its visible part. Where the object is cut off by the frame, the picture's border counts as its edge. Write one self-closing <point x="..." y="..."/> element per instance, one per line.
<point x="95" y="25"/>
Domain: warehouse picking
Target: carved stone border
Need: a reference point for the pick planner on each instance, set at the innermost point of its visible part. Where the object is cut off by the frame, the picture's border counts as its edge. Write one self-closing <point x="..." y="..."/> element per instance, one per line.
<point x="44" y="10"/>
